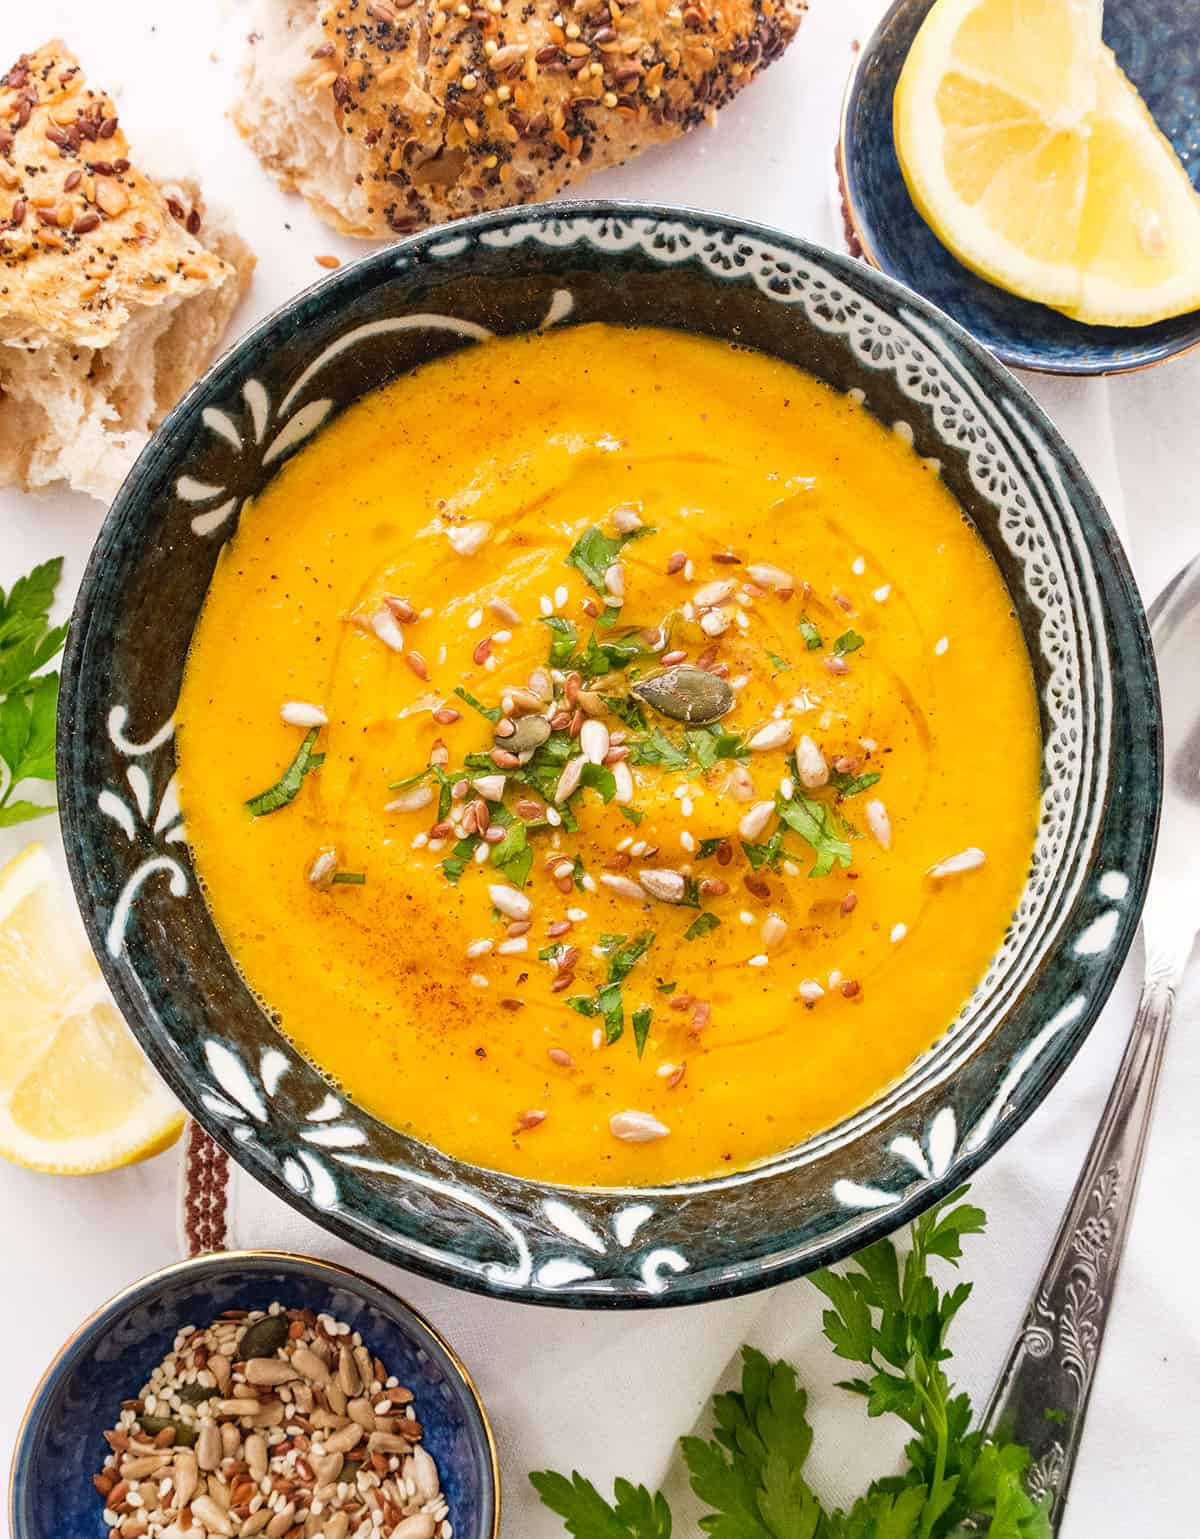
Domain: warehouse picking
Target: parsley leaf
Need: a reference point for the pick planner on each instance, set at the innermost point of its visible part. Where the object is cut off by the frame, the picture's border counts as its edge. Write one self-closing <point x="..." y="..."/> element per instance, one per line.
<point x="621" y="960"/>
<point x="459" y="858"/>
<point x="703" y="924"/>
<point x="641" y="1027"/>
<point x="853" y="785"/>
<point x="708" y="847"/>
<point x="514" y="854"/>
<point x="349" y="878"/>
<point x="627" y="709"/>
<point x="630" y="814"/>
<point x="810" y="633"/>
<point x="563" y="641"/>
<point x="491" y="712"/>
<point x="814" y="822"/>
<point x="780" y="664"/>
<point x="601" y="779"/>
<point x="28" y="699"/>
<point x="285" y="788"/>
<point x="594" y="552"/>
<point x="708" y="744"/>
<point x="635" y="1514"/>
<point x="848" y="641"/>
<point x="657" y="748"/>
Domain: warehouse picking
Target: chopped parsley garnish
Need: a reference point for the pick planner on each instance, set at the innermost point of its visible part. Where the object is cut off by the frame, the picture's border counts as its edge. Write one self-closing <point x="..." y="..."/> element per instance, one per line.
<point x="623" y="954"/>
<point x="600" y="778"/>
<point x="621" y="960"/>
<point x="350" y="878"/>
<point x="594" y="552"/>
<point x="563" y="640"/>
<point x="459" y="858"/>
<point x="848" y="641"/>
<point x="601" y="657"/>
<point x="812" y="636"/>
<point x="413" y="780"/>
<point x="703" y="924"/>
<point x="780" y="664"/>
<point x="627" y="709"/>
<point x="513" y="854"/>
<point x="631" y="814"/>
<point x="285" y="788"/>
<point x="657" y="748"/>
<point x="491" y="712"/>
<point x="667" y="988"/>
<point x="641" y="1027"/>
<point x="708" y="847"/>
<point x="814" y="822"/>
<point x="765" y="854"/>
<point x="708" y="744"/>
<point x="853" y="785"/>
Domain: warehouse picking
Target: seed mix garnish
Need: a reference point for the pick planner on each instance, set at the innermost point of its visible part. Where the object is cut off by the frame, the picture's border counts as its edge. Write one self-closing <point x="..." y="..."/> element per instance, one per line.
<point x="278" y="1423"/>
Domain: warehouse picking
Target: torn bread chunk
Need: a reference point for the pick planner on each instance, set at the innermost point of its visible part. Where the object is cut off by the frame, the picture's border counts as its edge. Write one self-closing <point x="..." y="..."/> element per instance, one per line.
<point x="113" y="291"/>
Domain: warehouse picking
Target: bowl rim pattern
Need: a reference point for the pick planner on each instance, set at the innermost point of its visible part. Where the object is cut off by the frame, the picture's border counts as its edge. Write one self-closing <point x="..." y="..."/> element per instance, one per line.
<point x="147" y="1286"/>
<point x="932" y="1160"/>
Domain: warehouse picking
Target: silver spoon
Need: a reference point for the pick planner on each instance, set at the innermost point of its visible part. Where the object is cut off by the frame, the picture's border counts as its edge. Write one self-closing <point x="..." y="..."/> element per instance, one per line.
<point x="1042" y="1394"/>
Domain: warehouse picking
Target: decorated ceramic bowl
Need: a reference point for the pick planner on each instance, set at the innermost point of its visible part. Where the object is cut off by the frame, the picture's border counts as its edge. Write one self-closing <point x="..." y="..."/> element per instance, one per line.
<point x="1158" y="45"/>
<point x="271" y="1109"/>
<point x="60" y="1444"/>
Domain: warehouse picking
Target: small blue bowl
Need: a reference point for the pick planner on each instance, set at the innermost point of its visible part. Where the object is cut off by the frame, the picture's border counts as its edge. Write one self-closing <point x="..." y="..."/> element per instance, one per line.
<point x="1158" y="45"/>
<point x="60" y="1445"/>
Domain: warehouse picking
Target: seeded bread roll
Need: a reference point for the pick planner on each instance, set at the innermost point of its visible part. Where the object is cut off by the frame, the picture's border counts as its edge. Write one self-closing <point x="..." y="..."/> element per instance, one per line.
<point x="388" y="115"/>
<point x="110" y="302"/>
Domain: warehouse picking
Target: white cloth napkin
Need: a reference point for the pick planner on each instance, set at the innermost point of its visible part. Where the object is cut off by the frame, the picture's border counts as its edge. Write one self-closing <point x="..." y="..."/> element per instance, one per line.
<point x="611" y="1393"/>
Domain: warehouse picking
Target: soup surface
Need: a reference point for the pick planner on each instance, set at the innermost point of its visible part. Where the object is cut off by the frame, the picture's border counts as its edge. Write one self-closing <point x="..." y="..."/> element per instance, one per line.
<point x="669" y="752"/>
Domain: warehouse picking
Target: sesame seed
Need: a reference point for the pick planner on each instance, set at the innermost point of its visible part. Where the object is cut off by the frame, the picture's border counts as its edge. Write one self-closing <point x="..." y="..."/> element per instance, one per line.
<point x="899" y="931"/>
<point x="479" y="948"/>
<point x="475" y="619"/>
<point x="883" y="593"/>
<point x="941" y="646"/>
<point x="858" y="566"/>
<point x="545" y="605"/>
<point x="561" y="595"/>
<point x="479" y="980"/>
<point x="746" y="916"/>
<point x="511" y="948"/>
<point x="686" y="806"/>
<point x="577" y="915"/>
<point x="687" y="841"/>
<point x="759" y="960"/>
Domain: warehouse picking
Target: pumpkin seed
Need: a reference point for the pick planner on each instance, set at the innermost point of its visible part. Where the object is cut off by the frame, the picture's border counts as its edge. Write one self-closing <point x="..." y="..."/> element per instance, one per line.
<point x="686" y="693"/>
<point x="185" y="1436"/>
<point x="264" y="1338"/>
<point x="196" y="1394"/>
<point x="529" y="733"/>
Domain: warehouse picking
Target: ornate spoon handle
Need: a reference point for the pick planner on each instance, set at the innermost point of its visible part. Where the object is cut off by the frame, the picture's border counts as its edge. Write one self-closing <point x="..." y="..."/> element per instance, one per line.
<point x="1042" y="1395"/>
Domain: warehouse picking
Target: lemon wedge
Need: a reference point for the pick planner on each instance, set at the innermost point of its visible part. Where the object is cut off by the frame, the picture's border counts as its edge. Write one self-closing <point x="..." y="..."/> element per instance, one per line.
<point x="1035" y="161"/>
<point x="76" y="1093"/>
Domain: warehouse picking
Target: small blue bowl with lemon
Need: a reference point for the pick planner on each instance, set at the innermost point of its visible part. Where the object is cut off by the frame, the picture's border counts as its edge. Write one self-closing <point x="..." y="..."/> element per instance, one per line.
<point x="1032" y="161"/>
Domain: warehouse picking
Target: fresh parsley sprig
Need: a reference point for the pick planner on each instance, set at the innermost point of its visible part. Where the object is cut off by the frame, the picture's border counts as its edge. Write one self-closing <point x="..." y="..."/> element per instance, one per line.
<point x="889" y="1315"/>
<point x="28" y="697"/>
<point x="288" y="785"/>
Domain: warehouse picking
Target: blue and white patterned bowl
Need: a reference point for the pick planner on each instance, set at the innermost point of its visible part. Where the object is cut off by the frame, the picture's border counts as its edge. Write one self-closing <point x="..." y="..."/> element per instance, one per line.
<point x="402" y="1199"/>
<point x="60" y="1445"/>
<point x="1158" y="45"/>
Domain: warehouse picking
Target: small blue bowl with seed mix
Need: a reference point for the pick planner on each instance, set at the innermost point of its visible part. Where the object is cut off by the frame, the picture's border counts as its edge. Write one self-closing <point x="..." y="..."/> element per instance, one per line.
<point x="280" y="1390"/>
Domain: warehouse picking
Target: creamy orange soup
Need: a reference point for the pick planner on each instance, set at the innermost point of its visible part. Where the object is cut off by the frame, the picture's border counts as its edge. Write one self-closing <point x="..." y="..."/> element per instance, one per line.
<point x="611" y="755"/>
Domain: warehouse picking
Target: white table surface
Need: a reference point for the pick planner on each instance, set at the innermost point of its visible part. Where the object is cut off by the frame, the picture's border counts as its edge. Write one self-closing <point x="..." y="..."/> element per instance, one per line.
<point x="71" y="1243"/>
